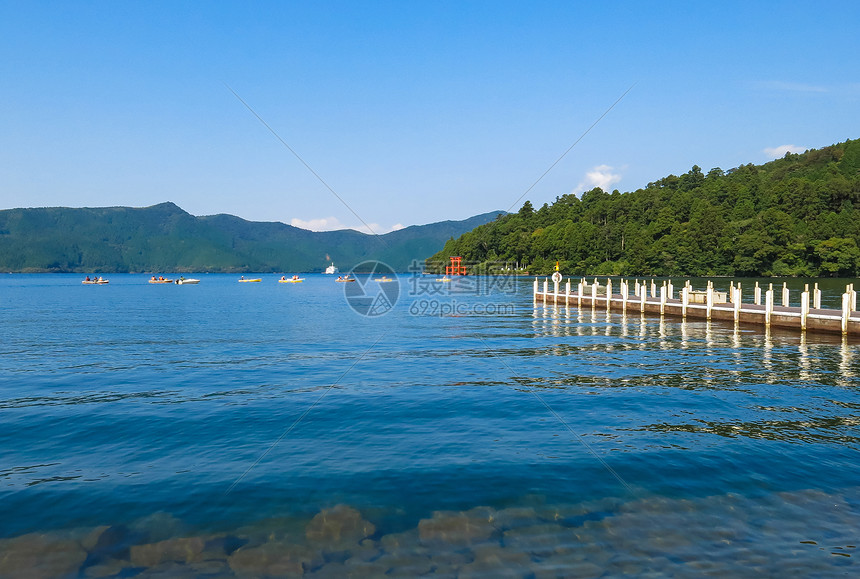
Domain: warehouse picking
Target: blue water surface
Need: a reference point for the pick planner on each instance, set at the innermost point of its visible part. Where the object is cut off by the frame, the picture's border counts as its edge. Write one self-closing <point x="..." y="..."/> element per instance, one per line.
<point x="225" y="404"/>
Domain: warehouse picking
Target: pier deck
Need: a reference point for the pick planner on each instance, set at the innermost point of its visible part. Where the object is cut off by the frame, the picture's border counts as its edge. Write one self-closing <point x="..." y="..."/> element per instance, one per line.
<point x="804" y="318"/>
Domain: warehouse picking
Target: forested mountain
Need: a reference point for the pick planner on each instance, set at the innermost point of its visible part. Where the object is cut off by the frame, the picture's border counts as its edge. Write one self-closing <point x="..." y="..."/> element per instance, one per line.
<point x="164" y="238"/>
<point x="795" y="216"/>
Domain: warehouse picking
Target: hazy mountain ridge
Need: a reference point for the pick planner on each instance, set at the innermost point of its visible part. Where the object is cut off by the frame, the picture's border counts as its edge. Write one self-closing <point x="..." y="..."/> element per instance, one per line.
<point x="164" y="237"/>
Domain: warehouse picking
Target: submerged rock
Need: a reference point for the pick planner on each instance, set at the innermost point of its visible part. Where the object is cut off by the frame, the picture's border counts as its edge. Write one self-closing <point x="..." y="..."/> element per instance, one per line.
<point x="339" y="527"/>
<point x="540" y="540"/>
<point x="180" y="550"/>
<point x="463" y="529"/>
<point x="274" y="559"/>
<point x="40" y="556"/>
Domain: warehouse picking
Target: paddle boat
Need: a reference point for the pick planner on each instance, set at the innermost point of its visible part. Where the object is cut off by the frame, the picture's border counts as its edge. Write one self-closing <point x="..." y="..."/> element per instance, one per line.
<point x="160" y="279"/>
<point x="384" y="279"/>
<point x="344" y="278"/>
<point x="95" y="281"/>
<point x="294" y="279"/>
<point x="243" y="280"/>
<point x="443" y="279"/>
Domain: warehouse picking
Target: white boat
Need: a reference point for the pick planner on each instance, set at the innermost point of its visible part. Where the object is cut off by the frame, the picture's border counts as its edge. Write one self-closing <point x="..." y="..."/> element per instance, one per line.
<point x="331" y="270"/>
<point x="183" y="281"/>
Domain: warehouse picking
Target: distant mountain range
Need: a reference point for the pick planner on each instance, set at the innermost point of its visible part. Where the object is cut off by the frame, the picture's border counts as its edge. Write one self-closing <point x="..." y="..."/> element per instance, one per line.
<point x="164" y="238"/>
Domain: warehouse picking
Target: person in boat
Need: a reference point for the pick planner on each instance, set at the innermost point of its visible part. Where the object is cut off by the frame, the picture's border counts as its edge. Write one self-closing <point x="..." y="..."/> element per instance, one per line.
<point x="153" y="279"/>
<point x="88" y="278"/>
<point x="295" y="277"/>
<point x="283" y="278"/>
<point x="241" y="277"/>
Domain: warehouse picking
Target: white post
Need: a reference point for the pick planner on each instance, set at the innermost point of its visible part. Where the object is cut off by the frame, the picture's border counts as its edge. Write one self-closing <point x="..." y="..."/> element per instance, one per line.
<point x="710" y="299"/>
<point x="671" y="289"/>
<point x="624" y="290"/>
<point x="567" y="288"/>
<point x="785" y="301"/>
<point x="757" y="295"/>
<point x="653" y="289"/>
<point x="555" y="291"/>
<point x="545" y="288"/>
<point x="768" y="306"/>
<point x="846" y="311"/>
<point x="608" y="293"/>
<point x="853" y="299"/>
<point x="642" y="300"/>
<point x="732" y="291"/>
<point x="535" y="293"/>
<point x="816" y="297"/>
<point x="736" y="301"/>
<point x="636" y="289"/>
<point x="594" y="293"/>
<point x="579" y="290"/>
<point x="804" y="306"/>
<point x="663" y="298"/>
<point x="685" y="299"/>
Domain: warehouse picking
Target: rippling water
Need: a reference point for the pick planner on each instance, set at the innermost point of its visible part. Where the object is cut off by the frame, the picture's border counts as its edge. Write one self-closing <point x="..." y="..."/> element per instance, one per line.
<point x="272" y="421"/>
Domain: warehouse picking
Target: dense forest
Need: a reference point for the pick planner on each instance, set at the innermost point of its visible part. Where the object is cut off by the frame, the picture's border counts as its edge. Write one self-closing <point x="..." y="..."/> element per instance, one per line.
<point x="795" y="216"/>
<point x="164" y="238"/>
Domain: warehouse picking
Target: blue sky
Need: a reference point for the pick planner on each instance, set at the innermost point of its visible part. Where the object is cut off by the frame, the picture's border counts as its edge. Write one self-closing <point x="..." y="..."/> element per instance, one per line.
<point x="412" y="112"/>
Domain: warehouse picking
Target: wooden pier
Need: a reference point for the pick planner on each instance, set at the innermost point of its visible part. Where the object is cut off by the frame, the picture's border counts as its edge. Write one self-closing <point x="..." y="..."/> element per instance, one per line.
<point x="709" y="304"/>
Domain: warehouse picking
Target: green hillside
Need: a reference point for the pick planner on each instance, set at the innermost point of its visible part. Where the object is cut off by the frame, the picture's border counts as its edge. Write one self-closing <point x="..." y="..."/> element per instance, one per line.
<point x="166" y="238"/>
<point x="795" y="216"/>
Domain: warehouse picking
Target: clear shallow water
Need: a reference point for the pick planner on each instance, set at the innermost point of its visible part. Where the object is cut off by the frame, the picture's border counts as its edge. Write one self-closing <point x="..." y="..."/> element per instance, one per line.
<point x="542" y="441"/>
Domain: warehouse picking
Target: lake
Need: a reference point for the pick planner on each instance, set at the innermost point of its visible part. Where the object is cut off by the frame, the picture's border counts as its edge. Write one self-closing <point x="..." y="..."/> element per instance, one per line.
<point x="264" y="429"/>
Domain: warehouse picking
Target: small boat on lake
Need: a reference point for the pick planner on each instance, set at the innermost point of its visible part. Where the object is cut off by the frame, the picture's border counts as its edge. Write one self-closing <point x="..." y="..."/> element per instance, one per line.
<point x="384" y="279"/>
<point x="294" y="279"/>
<point x="243" y="280"/>
<point x="95" y="281"/>
<point x="443" y="279"/>
<point x="344" y="278"/>
<point x="160" y="279"/>
<point x="188" y="281"/>
<point x="331" y="270"/>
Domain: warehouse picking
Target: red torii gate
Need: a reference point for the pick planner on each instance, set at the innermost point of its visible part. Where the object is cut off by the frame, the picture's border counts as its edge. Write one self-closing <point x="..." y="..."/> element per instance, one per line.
<point x="456" y="267"/>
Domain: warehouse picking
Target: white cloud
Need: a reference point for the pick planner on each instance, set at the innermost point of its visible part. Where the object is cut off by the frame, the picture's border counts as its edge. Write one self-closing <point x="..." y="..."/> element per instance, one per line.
<point x="600" y="176"/>
<point x="780" y="151"/>
<point x="321" y="224"/>
<point x="333" y="224"/>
